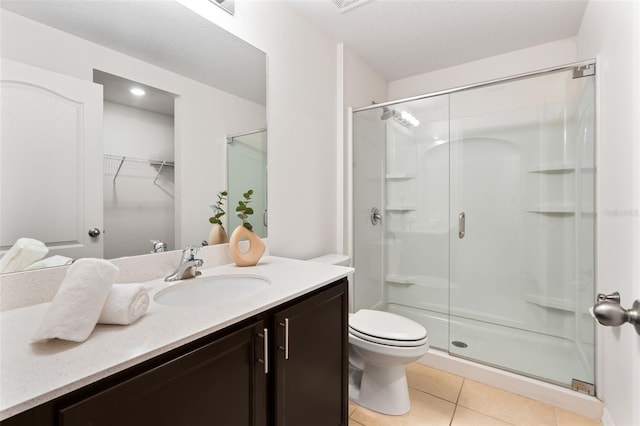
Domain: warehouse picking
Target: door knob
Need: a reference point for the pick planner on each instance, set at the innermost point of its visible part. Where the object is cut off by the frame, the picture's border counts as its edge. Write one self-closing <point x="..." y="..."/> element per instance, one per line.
<point x="94" y="233"/>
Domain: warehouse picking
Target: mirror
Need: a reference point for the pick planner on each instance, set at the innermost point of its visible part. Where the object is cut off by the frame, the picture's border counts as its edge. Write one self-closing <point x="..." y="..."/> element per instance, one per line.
<point x="216" y="84"/>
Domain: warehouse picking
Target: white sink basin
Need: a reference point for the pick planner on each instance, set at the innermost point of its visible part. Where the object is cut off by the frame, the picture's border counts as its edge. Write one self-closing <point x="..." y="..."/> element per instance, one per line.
<point x="212" y="290"/>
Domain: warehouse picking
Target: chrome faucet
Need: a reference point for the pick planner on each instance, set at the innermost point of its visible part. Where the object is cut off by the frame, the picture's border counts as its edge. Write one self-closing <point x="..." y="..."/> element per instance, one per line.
<point x="187" y="267"/>
<point x="158" y="246"/>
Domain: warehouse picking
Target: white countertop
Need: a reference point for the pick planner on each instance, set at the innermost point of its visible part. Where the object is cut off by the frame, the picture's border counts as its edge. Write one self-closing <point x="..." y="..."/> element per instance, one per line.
<point x="34" y="373"/>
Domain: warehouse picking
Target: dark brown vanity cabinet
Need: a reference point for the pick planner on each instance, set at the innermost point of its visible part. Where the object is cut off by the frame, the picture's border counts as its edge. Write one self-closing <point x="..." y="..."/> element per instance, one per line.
<point x="219" y="383"/>
<point x="310" y="373"/>
<point x="286" y="366"/>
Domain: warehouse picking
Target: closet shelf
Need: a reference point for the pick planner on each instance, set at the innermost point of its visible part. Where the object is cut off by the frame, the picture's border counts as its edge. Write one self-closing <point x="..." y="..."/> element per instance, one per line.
<point x="122" y="159"/>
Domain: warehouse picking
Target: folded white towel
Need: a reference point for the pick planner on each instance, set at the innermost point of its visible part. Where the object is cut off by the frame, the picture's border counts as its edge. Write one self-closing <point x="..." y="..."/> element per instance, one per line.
<point x="125" y="304"/>
<point x="55" y="260"/>
<point x="76" y="307"/>
<point x="23" y="253"/>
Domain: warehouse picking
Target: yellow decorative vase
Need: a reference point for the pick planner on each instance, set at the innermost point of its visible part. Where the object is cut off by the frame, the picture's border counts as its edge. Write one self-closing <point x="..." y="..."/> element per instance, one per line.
<point x="218" y="235"/>
<point x="253" y="254"/>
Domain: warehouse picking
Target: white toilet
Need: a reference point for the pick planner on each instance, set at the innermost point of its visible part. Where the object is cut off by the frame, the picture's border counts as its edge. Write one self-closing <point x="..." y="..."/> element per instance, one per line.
<point x="380" y="344"/>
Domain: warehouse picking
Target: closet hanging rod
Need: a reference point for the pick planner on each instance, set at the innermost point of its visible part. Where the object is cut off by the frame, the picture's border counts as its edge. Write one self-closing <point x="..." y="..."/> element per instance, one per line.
<point x="122" y="159"/>
<point x="140" y="160"/>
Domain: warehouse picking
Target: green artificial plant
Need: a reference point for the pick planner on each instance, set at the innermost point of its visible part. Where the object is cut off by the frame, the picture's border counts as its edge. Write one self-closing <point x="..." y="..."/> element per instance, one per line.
<point x="217" y="208"/>
<point x="243" y="210"/>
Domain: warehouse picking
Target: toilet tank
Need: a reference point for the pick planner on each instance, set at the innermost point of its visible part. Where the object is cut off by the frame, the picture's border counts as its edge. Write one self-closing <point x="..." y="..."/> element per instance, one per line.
<point x="341" y="260"/>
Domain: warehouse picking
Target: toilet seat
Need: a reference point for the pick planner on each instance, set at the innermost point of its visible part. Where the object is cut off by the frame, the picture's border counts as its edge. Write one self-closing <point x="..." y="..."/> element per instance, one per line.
<point x="386" y="329"/>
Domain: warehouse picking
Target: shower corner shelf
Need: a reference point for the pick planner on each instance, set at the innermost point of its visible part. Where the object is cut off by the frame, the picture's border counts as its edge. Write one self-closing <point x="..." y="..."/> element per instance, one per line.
<point x="401" y="279"/>
<point x="551" y="302"/>
<point x="564" y="209"/>
<point x="558" y="168"/>
<point x="400" y="176"/>
<point x="400" y="208"/>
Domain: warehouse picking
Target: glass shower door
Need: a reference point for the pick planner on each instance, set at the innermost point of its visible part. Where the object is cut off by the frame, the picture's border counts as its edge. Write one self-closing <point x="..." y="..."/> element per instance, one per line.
<point x="521" y="235"/>
<point x="368" y="208"/>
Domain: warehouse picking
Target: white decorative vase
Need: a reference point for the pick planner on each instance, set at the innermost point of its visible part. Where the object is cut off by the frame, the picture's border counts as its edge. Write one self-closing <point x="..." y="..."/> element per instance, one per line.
<point x="253" y="254"/>
<point x="218" y="235"/>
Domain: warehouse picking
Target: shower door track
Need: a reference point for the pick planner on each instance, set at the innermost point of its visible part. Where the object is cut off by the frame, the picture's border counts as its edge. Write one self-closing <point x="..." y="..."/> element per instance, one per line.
<point x="482" y="84"/>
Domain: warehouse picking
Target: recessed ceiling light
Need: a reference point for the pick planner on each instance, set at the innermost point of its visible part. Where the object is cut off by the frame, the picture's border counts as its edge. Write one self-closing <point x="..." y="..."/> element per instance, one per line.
<point x="137" y="91"/>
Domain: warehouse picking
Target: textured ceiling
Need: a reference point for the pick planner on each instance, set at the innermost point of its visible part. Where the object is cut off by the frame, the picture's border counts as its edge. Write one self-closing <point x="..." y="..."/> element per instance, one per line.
<point x="163" y="33"/>
<point x="401" y="38"/>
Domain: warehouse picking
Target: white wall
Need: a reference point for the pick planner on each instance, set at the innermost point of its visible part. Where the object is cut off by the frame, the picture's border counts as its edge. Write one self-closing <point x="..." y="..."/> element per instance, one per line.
<point x="200" y="140"/>
<point x="301" y="104"/>
<point x="137" y="209"/>
<point x="610" y="31"/>
<point x="508" y="64"/>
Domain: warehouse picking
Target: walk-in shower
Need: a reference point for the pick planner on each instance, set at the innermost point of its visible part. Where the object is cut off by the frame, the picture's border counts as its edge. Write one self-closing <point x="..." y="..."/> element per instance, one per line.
<point x="485" y="220"/>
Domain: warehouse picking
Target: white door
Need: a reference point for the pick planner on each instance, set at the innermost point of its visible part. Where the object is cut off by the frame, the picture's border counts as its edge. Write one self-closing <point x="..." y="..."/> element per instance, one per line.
<point x="50" y="160"/>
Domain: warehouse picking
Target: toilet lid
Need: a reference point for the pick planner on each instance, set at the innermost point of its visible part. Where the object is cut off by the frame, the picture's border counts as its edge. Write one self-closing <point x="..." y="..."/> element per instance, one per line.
<point x="385" y="326"/>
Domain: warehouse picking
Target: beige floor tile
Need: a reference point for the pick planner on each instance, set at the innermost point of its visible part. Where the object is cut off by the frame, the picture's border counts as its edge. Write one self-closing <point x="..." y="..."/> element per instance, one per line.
<point x="352" y="407"/>
<point x="435" y="382"/>
<point x="426" y="410"/>
<point x="505" y="406"/>
<point x="466" y="417"/>
<point x="354" y="423"/>
<point x="569" y="418"/>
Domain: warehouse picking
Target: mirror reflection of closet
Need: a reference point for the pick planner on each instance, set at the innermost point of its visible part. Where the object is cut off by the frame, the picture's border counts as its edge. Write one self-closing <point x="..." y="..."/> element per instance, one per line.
<point x="138" y="135"/>
<point x="247" y="169"/>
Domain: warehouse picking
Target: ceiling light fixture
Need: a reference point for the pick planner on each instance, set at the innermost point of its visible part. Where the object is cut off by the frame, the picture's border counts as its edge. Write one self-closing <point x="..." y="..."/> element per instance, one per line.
<point x="406" y="119"/>
<point x="346" y="5"/>
<point x="137" y="91"/>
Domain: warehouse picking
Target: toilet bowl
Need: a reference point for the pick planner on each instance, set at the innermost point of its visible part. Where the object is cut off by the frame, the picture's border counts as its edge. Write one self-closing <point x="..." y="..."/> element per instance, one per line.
<point x="380" y="344"/>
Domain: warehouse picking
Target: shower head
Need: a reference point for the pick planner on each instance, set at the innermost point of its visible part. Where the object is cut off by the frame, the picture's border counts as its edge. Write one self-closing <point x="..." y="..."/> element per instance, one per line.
<point x="386" y="113"/>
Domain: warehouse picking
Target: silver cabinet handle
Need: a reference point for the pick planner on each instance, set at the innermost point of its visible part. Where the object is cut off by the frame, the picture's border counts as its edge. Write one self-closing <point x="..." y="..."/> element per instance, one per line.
<point x="266" y="351"/>
<point x="461" y="220"/>
<point x="286" y="338"/>
<point x="265" y="348"/>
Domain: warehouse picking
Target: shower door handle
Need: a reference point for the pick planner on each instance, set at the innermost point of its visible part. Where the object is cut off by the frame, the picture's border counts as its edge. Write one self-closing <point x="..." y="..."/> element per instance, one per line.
<point x="461" y="220"/>
<point x="376" y="216"/>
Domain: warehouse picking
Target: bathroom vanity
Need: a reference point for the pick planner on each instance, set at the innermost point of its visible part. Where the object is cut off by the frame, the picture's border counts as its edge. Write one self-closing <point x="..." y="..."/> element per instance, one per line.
<point x="283" y="361"/>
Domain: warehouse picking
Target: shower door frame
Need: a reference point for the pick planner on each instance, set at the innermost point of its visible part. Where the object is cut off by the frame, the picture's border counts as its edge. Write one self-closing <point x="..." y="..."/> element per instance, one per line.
<point x="582" y="66"/>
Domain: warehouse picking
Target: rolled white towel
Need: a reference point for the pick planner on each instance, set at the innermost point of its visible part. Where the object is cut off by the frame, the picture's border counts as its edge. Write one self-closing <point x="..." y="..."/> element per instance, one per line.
<point x="23" y="253"/>
<point x="125" y="304"/>
<point x="76" y="307"/>
<point x="55" y="260"/>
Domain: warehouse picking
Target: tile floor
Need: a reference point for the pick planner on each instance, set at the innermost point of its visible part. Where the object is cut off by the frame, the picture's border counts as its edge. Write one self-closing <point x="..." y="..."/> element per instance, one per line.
<point x="440" y="398"/>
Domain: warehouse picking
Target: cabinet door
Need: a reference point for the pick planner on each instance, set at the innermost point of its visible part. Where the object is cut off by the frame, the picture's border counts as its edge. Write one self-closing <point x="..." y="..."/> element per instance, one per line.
<point x="311" y="361"/>
<point x="221" y="383"/>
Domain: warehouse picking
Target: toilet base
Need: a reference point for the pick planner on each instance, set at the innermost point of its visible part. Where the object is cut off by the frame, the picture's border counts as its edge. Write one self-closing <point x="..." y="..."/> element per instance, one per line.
<point x="381" y="389"/>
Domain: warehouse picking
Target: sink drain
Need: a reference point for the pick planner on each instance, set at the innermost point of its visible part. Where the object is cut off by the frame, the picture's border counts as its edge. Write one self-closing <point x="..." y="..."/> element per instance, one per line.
<point x="459" y="344"/>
